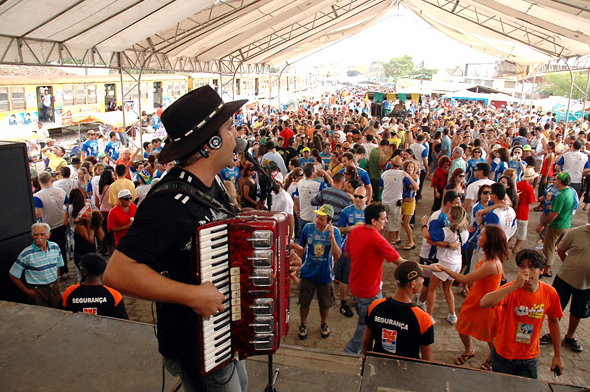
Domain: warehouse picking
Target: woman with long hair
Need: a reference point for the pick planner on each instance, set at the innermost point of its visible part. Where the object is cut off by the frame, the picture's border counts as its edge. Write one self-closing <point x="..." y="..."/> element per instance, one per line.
<point x="473" y="320"/>
<point x="439" y="181"/>
<point x="500" y="162"/>
<point x="335" y="164"/>
<point x="411" y="185"/>
<point x="248" y="186"/>
<point x="451" y="259"/>
<point x="101" y="198"/>
<point x="88" y="228"/>
<point x="546" y="170"/>
<point x="511" y="191"/>
<point x="456" y="183"/>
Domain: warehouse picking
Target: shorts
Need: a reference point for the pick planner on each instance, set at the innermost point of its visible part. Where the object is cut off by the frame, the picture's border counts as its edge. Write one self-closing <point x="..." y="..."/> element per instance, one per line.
<point x="394" y="217"/>
<point x="580" y="307"/>
<point x="521" y="229"/>
<point x="456" y="267"/>
<point x="342" y="269"/>
<point x="326" y="296"/>
<point x="408" y="208"/>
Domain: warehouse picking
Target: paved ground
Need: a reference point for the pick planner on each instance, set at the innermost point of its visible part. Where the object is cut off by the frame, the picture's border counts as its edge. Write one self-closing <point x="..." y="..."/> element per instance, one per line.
<point x="447" y="344"/>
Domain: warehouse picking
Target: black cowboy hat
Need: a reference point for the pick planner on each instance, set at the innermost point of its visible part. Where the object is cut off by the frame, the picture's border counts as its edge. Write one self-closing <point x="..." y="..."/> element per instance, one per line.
<point x="192" y="120"/>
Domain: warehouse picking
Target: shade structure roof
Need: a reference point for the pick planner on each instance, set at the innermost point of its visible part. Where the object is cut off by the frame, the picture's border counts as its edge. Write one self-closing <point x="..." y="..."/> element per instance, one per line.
<point x="247" y="35"/>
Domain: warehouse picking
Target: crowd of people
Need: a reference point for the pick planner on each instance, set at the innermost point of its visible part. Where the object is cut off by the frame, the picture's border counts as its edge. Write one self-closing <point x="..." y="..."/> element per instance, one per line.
<point x="349" y="182"/>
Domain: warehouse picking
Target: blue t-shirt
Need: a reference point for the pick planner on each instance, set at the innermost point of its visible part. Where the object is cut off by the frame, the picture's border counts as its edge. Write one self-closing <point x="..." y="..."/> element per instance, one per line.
<point x="90" y="147"/>
<point x="471" y="166"/>
<point x="363" y="176"/>
<point x="112" y="149"/>
<point x="516" y="166"/>
<point x="409" y="193"/>
<point x="317" y="264"/>
<point x="350" y="216"/>
<point x="231" y="175"/>
<point x="303" y="161"/>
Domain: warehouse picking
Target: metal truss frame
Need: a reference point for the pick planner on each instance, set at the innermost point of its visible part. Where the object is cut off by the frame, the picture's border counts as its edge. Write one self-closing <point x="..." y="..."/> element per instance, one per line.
<point x="298" y="31"/>
<point x="134" y="59"/>
<point x="494" y="22"/>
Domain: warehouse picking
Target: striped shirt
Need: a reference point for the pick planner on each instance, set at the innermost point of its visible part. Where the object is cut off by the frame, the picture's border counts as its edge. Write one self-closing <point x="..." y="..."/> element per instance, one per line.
<point x="40" y="267"/>
<point x="337" y="198"/>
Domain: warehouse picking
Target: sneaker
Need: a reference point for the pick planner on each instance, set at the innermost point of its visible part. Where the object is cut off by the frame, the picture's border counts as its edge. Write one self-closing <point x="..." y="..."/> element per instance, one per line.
<point x="433" y="320"/>
<point x="546" y="339"/>
<point x="325" y="330"/>
<point x="345" y="310"/>
<point x="452" y="318"/>
<point x="539" y="245"/>
<point x="302" y="332"/>
<point x="573" y="343"/>
<point x="421" y="305"/>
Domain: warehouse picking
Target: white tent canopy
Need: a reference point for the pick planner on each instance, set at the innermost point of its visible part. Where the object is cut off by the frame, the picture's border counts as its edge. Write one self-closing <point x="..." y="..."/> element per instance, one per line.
<point x="227" y="35"/>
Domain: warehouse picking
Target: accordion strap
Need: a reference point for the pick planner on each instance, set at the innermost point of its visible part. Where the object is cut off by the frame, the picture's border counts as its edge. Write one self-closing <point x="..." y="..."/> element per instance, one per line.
<point x="196" y="194"/>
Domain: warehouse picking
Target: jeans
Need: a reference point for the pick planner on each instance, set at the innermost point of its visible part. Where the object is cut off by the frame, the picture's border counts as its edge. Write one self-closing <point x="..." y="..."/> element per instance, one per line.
<point x="230" y="378"/>
<point x="362" y="308"/>
<point x="517" y="367"/>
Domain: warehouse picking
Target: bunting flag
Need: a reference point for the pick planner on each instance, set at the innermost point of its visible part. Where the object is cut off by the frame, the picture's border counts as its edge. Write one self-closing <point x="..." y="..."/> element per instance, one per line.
<point x="415" y="97"/>
<point x="378" y="97"/>
<point x="366" y="97"/>
<point x="402" y="97"/>
<point x="390" y="96"/>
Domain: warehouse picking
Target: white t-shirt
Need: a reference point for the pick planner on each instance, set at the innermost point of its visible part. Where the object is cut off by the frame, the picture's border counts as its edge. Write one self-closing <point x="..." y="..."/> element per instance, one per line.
<point x="282" y="202"/>
<point x="393" y="186"/>
<point x="473" y="189"/>
<point x="448" y="256"/>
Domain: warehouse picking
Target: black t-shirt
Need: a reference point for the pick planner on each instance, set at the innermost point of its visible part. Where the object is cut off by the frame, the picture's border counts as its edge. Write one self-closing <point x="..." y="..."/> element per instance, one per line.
<point x="163" y="237"/>
<point x="399" y="328"/>
<point x="290" y="153"/>
<point x="99" y="300"/>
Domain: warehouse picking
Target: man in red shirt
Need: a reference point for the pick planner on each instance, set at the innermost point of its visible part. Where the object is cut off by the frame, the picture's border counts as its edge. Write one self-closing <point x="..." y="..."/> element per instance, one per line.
<point x="121" y="216"/>
<point x="286" y="133"/>
<point x="367" y="248"/>
<point x="526" y="197"/>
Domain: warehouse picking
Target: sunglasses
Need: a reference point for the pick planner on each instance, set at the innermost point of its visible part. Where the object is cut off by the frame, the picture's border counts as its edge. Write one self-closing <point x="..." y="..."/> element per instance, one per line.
<point x="359" y="196"/>
<point x="126" y="198"/>
<point x="461" y="176"/>
<point x="486" y="192"/>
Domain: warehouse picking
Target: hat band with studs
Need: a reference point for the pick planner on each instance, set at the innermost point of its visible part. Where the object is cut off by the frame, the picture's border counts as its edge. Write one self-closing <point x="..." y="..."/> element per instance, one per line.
<point x="201" y="124"/>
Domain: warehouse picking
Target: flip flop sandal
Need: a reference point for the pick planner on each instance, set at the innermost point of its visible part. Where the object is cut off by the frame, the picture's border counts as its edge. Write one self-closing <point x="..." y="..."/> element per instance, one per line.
<point x="487" y="365"/>
<point x="463" y="358"/>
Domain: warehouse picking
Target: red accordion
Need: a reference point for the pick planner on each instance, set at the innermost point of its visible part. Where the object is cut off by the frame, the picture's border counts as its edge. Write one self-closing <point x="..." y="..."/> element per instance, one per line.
<point x="246" y="258"/>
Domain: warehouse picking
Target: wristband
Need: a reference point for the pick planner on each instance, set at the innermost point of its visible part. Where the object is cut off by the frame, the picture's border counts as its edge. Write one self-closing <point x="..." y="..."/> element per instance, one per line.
<point x="424" y="226"/>
<point x="448" y="245"/>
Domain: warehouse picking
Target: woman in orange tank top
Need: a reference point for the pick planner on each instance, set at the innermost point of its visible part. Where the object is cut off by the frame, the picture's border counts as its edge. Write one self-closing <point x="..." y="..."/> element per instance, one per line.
<point x="473" y="320"/>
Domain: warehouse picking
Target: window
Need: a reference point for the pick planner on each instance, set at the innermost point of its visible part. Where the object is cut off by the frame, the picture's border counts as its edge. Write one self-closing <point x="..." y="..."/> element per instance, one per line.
<point x="18" y="98"/>
<point x="4" y="103"/>
<point x="80" y="94"/>
<point x="92" y="93"/>
<point x="68" y="93"/>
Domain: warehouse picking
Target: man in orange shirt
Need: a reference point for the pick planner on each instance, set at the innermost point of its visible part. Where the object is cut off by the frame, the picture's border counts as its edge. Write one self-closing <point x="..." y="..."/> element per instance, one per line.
<point x="126" y="159"/>
<point x="523" y="305"/>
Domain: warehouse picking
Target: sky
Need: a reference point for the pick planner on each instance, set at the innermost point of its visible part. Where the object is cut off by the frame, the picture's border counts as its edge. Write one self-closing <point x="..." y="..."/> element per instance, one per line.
<point x="381" y="41"/>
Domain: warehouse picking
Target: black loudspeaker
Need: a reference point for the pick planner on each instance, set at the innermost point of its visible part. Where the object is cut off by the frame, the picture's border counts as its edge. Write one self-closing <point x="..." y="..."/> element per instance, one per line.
<point x="9" y="251"/>
<point x="377" y="109"/>
<point x="17" y="213"/>
<point x="16" y="197"/>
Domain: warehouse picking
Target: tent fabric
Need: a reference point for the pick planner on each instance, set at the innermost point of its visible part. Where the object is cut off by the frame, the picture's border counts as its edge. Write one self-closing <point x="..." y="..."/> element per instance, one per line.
<point x="177" y="34"/>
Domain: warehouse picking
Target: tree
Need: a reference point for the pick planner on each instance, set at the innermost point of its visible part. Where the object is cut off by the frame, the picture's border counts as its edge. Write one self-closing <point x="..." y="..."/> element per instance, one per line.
<point x="399" y="66"/>
<point x="560" y="83"/>
<point x="353" y="72"/>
